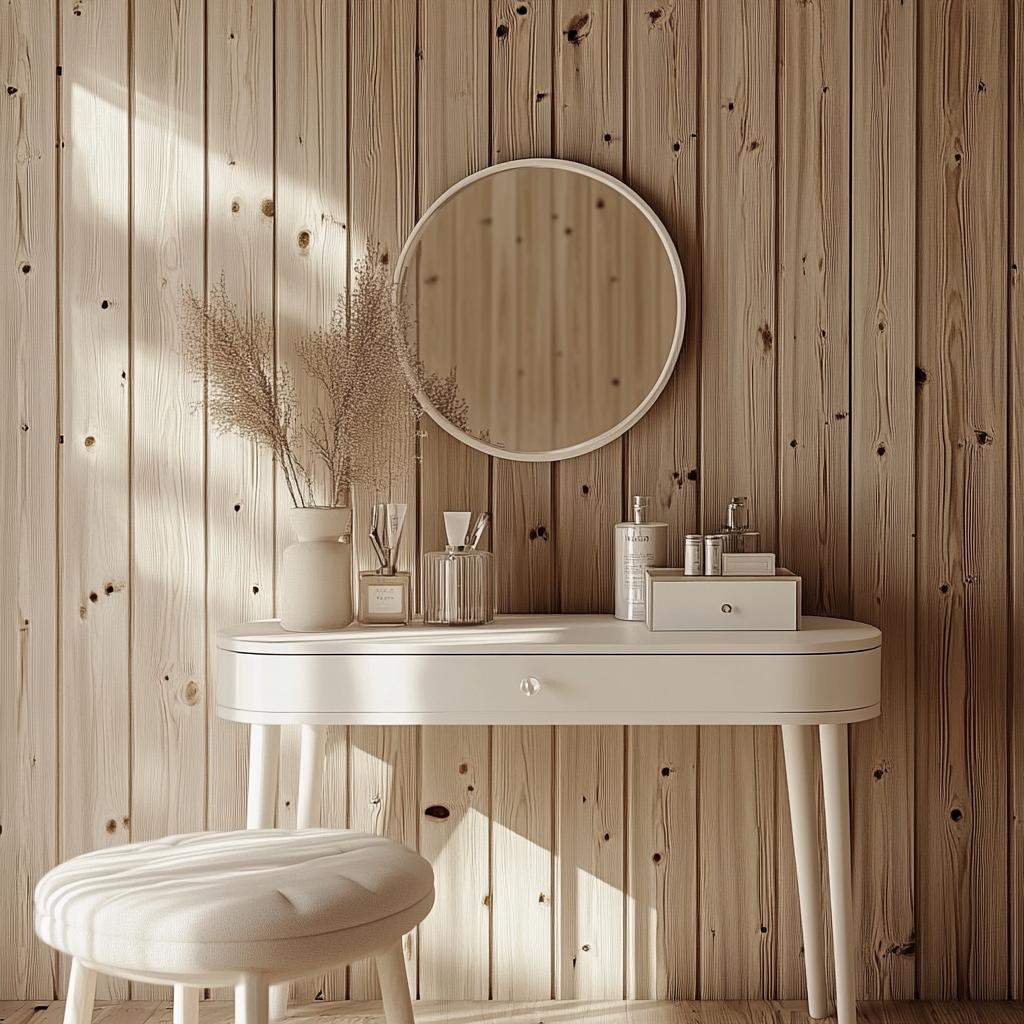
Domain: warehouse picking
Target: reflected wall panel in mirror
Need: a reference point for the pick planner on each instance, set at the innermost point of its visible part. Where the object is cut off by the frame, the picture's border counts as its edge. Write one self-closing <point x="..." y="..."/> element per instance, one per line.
<point x="551" y="291"/>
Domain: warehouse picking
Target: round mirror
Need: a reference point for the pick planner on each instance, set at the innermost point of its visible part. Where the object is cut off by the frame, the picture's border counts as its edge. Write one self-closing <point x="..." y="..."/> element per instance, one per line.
<point x="556" y="295"/>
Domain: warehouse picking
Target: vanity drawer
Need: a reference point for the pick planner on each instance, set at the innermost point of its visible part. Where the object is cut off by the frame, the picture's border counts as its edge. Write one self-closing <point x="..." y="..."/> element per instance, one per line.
<point x="551" y="689"/>
<point x="675" y="601"/>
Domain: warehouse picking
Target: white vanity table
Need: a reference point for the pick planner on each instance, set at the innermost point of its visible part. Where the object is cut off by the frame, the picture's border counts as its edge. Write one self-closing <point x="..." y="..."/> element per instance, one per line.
<point x="581" y="670"/>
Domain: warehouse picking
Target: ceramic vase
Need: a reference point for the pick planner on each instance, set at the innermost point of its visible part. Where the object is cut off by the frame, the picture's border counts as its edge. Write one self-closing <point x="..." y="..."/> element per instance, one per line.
<point x="316" y="571"/>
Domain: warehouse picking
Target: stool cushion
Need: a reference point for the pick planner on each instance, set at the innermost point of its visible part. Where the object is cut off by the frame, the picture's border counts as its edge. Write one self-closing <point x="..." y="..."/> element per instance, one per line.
<point x="267" y="900"/>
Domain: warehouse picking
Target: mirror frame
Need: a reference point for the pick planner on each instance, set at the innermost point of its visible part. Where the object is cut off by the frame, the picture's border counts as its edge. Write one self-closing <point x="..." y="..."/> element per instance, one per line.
<point x="677" y="340"/>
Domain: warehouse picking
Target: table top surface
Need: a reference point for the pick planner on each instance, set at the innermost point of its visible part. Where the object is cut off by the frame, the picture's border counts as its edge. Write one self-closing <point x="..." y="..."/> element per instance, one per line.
<point x="550" y="634"/>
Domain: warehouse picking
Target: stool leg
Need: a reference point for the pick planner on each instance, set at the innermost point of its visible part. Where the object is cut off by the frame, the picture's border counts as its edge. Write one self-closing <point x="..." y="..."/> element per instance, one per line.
<point x="279" y="1000"/>
<point x="81" y="994"/>
<point x="186" y="1004"/>
<point x="252" y="1000"/>
<point x="394" y="985"/>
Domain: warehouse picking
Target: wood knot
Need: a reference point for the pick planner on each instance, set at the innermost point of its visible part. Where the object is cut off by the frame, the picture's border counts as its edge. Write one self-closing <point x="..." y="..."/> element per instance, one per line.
<point x="90" y="441"/>
<point x="578" y="29"/>
<point x="111" y="826"/>
<point x="304" y="239"/>
<point x="983" y="436"/>
<point x="765" y="336"/>
<point x="920" y="376"/>
<point x="437" y="811"/>
<point x="463" y="768"/>
<point x="235" y="206"/>
<point x="656" y="858"/>
<point x="521" y="9"/>
<point x="501" y="31"/>
<point x="267" y="207"/>
<point x="11" y="90"/>
<point x="191" y="693"/>
<point x="956" y="814"/>
<point x="691" y="475"/>
<point x="655" y="16"/>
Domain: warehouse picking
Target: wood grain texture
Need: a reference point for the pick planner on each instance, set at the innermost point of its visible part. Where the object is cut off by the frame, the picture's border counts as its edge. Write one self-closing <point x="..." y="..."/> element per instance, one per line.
<point x="737" y="865"/>
<point x="453" y="141"/>
<point x="661" y="888"/>
<point x="94" y="477"/>
<point x="384" y="772"/>
<point x="961" y="503"/>
<point x="813" y="342"/>
<point x="882" y="521"/>
<point x="590" y="844"/>
<point x="384" y="762"/>
<point x="521" y="862"/>
<point x="1015" y="397"/>
<point x="168" y="565"/>
<point x="522" y="100"/>
<point x="661" y="164"/>
<point x="563" y="1012"/>
<point x="454" y="944"/>
<point x="737" y="781"/>
<point x="813" y="352"/>
<point x="240" y="245"/>
<point x="311" y="263"/>
<point x="29" y="367"/>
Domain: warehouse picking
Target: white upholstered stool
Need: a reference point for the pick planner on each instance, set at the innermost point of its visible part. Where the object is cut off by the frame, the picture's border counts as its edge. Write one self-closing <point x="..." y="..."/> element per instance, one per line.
<point x="247" y="909"/>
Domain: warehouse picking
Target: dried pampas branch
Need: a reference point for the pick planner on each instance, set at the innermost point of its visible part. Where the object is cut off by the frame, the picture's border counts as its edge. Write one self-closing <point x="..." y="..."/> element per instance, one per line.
<point x="363" y="429"/>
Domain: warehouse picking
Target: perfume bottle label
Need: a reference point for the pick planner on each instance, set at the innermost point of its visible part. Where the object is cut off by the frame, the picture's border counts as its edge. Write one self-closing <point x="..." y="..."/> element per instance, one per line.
<point x="384" y="600"/>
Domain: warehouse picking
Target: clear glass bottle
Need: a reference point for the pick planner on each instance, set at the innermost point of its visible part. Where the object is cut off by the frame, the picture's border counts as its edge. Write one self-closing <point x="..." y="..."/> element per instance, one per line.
<point x="458" y="587"/>
<point x="384" y="597"/>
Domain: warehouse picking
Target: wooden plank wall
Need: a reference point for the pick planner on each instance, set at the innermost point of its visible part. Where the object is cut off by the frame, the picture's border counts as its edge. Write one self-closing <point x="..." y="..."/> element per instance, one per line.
<point x="842" y="179"/>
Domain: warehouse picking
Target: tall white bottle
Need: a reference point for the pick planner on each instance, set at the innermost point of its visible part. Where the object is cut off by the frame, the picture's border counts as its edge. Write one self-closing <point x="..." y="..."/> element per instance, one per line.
<point x="639" y="545"/>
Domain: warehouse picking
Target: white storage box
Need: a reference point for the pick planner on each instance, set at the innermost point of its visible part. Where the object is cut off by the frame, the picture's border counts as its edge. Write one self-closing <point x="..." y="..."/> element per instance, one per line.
<point x="675" y="601"/>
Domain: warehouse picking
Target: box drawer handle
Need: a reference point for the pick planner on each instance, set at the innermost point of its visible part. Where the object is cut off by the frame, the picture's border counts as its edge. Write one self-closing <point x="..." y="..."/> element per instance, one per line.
<point x="726" y="608"/>
<point x="530" y="686"/>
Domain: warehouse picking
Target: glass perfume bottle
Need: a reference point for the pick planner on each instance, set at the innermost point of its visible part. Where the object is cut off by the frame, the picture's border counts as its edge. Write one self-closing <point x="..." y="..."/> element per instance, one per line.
<point x="385" y="593"/>
<point x="458" y="583"/>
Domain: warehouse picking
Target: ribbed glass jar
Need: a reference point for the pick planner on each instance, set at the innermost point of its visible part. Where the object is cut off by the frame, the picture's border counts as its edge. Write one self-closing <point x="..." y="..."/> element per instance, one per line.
<point x="458" y="588"/>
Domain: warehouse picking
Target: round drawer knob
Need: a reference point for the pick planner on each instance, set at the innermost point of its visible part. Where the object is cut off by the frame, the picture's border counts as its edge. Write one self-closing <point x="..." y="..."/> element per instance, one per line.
<point x="726" y="608"/>
<point x="529" y="686"/>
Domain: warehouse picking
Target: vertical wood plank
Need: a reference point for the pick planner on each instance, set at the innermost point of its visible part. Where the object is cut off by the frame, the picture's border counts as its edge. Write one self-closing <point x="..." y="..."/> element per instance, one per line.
<point x="522" y="55"/>
<point x="168" y="644"/>
<point x="521" y="857"/>
<point x="588" y="128"/>
<point x="1015" y="398"/>
<point x="311" y="262"/>
<point x="738" y="767"/>
<point x="28" y="481"/>
<point x="95" y="421"/>
<point x="240" y="243"/>
<point x="590" y="870"/>
<point x="661" y="162"/>
<point x="453" y="141"/>
<point x="454" y="945"/>
<point x="661" y="906"/>
<point x="383" y="761"/>
<point x="662" y="152"/>
<point x="813" y="353"/>
<point x="384" y="774"/>
<point x="882" y="556"/>
<point x="962" y="500"/>
<point x="813" y="342"/>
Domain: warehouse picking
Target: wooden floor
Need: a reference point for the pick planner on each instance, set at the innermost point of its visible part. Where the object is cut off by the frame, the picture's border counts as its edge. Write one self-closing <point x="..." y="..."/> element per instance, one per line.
<point x="543" y="1013"/>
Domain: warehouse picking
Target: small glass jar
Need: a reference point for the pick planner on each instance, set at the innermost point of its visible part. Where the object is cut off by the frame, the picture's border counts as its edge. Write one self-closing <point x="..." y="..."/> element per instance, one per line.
<point x="458" y="587"/>
<point x="384" y="598"/>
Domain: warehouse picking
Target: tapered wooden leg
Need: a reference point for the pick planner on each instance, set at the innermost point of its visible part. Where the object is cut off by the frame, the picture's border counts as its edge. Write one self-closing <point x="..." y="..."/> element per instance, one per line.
<point x="81" y="994"/>
<point x="252" y="1000"/>
<point x="264" y="754"/>
<point x="835" y="777"/>
<point x="311" y="775"/>
<point x="186" y="1004"/>
<point x="796" y="741"/>
<point x="394" y="985"/>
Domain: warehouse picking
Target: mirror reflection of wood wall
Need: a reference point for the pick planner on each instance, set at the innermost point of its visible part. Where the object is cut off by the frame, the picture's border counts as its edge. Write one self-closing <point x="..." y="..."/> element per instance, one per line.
<point x="553" y="296"/>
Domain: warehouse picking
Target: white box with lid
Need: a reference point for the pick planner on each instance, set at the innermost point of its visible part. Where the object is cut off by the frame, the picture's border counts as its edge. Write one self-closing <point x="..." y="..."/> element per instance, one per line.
<point x="675" y="601"/>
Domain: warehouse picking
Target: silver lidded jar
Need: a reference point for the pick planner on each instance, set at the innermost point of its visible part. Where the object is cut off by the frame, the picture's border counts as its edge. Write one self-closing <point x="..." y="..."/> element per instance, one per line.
<point x="714" y="544"/>
<point x="693" y="556"/>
